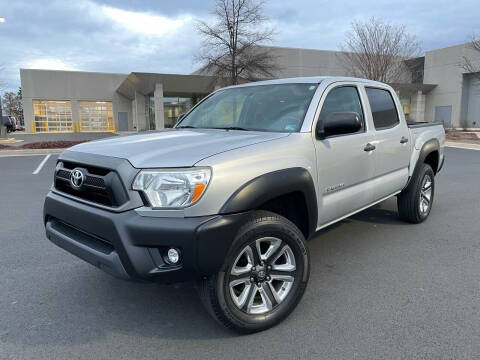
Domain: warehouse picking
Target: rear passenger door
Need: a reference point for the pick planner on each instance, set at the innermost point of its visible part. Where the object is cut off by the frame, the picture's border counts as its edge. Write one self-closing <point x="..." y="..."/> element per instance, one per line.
<point x="391" y="142"/>
<point x="345" y="168"/>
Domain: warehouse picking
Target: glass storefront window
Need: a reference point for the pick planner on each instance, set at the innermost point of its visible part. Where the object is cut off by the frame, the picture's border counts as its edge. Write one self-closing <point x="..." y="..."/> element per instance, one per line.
<point x="151" y="112"/>
<point x="52" y="116"/>
<point x="173" y="107"/>
<point x="95" y="116"/>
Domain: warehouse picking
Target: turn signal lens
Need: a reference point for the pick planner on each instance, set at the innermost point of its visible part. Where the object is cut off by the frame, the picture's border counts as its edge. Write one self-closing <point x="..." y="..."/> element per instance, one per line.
<point x="199" y="189"/>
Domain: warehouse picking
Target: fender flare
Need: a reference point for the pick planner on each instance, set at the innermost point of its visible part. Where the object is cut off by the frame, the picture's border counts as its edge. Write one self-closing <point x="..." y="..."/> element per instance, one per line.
<point x="427" y="148"/>
<point x="272" y="185"/>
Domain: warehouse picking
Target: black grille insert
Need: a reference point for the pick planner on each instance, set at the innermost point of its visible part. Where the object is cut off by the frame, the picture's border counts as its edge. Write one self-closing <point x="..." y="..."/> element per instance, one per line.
<point x="82" y="237"/>
<point x="101" y="186"/>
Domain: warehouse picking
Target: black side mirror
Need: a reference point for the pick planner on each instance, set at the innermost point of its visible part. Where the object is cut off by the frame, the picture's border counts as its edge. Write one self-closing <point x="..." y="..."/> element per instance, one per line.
<point x="338" y="123"/>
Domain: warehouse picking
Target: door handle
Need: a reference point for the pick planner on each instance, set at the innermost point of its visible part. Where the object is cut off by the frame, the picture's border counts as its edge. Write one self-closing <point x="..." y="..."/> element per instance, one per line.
<point x="369" y="147"/>
<point x="403" y="140"/>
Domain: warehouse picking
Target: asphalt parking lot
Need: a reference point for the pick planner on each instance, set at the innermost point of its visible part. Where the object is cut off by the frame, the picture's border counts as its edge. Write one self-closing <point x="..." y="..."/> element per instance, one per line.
<point x="379" y="288"/>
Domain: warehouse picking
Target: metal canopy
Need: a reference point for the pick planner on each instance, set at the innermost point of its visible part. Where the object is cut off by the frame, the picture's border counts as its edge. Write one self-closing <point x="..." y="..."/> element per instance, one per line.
<point x="173" y="84"/>
<point x="410" y="89"/>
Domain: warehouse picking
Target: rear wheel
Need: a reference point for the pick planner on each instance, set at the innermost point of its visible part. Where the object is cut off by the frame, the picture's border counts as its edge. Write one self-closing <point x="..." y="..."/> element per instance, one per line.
<point x="263" y="278"/>
<point x="415" y="202"/>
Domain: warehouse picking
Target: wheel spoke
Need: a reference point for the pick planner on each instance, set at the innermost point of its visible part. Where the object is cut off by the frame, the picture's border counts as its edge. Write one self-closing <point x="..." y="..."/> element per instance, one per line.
<point x="274" y="293"/>
<point x="256" y="255"/>
<point x="425" y="197"/>
<point x="428" y="184"/>
<point x="251" y="298"/>
<point x="289" y="264"/>
<point x="282" y="277"/>
<point x="240" y="299"/>
<point x="270" y="294"/>
<point x="274" y="244"/>
<point x="248" y="256"/>
<point x="281" y="292"/>
<point x="428" y="194"/>
<point x="266" y="302"/>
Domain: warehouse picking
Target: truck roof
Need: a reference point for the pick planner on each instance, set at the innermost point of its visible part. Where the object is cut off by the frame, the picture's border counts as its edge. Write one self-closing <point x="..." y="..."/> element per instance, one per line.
<point x="310" y="80"/>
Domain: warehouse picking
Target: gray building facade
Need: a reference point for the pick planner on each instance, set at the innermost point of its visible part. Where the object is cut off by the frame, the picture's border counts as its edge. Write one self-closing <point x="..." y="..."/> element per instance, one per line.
<point x="434" y="88"/>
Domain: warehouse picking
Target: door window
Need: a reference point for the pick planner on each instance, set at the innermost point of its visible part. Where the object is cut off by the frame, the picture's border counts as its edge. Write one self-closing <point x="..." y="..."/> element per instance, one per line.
<point x="343" y="99"/>
<point x="383" y="108"/>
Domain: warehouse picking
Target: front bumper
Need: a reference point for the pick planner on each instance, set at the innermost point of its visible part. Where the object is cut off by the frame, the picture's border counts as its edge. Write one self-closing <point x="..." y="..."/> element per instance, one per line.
<point x="131" y="246"/>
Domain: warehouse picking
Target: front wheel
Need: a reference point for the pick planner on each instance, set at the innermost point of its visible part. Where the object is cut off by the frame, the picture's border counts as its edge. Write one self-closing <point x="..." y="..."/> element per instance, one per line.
<point x="263" y="278"/>
<point x="415" y="202"/>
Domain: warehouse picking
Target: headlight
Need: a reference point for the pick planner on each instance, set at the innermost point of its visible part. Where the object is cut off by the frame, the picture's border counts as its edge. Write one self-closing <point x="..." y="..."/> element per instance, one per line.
<point x="172" y="188"/>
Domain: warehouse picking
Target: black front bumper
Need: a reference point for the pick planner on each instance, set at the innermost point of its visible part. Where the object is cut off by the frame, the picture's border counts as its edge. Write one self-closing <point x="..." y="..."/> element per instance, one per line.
<point x="131" y="246"/>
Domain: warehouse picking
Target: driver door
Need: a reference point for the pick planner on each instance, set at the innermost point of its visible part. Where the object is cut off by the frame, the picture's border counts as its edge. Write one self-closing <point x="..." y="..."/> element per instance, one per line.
<point x="345" y="166"/>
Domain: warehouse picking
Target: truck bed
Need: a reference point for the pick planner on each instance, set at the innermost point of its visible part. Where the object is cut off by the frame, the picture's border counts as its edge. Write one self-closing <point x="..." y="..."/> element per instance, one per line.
<point x="415" y="124"/>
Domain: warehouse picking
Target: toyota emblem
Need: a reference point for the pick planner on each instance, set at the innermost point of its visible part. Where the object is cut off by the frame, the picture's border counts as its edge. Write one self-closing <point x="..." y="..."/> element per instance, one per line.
<point x="77" y="178"/>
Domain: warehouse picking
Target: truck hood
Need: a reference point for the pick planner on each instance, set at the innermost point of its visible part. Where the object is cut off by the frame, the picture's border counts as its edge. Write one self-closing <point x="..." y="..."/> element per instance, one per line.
<point x="174" y="147"/>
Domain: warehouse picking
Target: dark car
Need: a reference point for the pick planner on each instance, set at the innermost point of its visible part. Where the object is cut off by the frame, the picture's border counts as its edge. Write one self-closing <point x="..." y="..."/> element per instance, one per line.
<point x="10" y="122"/>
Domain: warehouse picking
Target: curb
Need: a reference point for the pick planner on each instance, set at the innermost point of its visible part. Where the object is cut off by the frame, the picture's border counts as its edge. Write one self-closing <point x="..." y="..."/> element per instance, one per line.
<point x="30" y="152"/>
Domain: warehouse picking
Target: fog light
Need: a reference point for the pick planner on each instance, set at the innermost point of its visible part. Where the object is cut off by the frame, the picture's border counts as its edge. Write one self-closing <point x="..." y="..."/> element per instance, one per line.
<point x="173" y="256"/>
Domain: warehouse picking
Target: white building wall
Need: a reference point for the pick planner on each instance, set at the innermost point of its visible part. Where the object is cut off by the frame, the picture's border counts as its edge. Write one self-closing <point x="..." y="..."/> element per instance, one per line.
<point x="442" y="67"/>
<point x="71" y="86"/>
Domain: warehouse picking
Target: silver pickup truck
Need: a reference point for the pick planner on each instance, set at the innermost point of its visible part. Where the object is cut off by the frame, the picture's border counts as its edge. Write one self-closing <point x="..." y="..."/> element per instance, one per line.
<point x="229" y="196"/>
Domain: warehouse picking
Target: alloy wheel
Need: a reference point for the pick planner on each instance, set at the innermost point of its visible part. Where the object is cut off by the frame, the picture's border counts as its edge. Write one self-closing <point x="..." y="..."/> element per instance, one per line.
<point x="425" y="195"/>
<point x="262" y="275"/>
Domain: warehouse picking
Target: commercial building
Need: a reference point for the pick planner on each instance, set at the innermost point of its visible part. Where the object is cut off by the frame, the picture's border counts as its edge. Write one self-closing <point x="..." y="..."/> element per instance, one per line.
<point x="435" y="88"/>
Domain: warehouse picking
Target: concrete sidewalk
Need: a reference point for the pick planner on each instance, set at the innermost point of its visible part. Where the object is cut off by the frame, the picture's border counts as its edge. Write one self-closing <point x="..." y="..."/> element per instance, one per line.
<point x="462" y="145"/>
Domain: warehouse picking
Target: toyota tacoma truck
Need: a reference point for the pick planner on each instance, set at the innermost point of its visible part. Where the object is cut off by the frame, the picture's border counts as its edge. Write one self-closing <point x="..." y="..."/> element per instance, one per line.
<point x="228" y="197"/>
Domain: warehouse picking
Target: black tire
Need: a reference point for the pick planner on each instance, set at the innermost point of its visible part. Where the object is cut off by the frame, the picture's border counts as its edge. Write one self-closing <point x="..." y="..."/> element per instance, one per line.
<point x="409" y="200"/>
<point x="216" y="290"/>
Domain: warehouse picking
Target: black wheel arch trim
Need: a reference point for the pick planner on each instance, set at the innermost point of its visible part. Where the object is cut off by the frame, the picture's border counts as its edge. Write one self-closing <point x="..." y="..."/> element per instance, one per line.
<point x="427" y="148"/>
<point x="271" y="185"/>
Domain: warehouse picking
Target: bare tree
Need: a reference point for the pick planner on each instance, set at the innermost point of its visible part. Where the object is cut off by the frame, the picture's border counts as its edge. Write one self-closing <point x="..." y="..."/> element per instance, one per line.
<point x="230" y="48"/>
<point x="376" y="49"/>
<point x="471" y="64"/>
<point x="12" y="104"/>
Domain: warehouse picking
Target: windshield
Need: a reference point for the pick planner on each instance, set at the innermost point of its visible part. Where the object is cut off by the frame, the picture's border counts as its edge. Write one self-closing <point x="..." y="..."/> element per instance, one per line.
<point x="276" y="107"/>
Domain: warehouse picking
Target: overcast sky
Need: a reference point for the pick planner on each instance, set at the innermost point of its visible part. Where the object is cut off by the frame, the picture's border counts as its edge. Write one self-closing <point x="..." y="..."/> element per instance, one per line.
<point x="159" y="36"/>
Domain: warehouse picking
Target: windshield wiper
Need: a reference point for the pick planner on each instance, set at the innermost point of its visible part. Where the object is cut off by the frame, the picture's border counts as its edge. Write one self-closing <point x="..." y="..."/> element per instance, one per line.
<point x="230" y="128"/>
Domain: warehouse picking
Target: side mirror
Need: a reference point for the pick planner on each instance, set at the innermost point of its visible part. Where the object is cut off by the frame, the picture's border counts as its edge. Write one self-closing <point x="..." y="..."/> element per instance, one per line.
<point x="339" y="123"/>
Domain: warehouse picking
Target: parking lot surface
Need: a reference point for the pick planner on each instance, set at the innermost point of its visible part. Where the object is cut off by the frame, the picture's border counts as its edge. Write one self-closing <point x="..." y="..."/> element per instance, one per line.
<point x="379" y="288"/>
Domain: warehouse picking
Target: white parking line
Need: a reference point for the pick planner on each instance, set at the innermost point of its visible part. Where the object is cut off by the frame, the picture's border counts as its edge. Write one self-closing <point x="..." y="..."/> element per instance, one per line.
<point x="40" y="166"/>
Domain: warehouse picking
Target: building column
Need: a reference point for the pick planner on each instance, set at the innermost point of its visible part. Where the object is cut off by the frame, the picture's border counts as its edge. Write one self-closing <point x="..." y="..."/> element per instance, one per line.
<point x="139" y="112"/>
<point x="28" y="115"/>
<point x="159" y="112"/>
<point x="420" y="111"/>
<point x="417" y="108"/>
<point x="75" y="115"/>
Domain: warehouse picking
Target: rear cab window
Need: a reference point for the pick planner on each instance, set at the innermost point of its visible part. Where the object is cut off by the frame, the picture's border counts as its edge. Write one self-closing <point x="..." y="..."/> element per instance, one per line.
<point x="384" y="111"/>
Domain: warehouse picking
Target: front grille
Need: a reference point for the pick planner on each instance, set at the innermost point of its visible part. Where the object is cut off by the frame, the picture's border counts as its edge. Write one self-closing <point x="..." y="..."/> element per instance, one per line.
<point x="95" y="181"/>
<point x="100" y="186"/>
